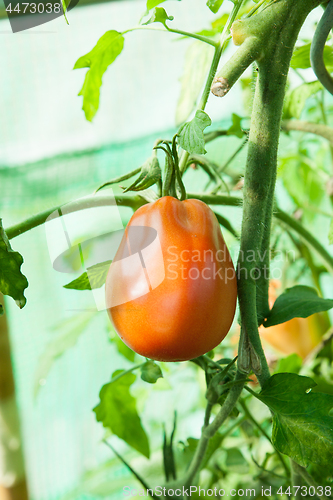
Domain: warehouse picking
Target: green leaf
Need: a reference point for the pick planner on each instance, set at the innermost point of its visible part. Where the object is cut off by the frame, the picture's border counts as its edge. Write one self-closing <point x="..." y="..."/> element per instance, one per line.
<point x="65" y="4"/>
<point x="330" y="233"/>
<point x="301" y="57"/>
<point x="168" y="454"/>
<point x="120" y="178"/>
<point x="105" y="52"/>
<point x="296" y="99"/>
<point x="150" y="174"/>
<point x="93" y="278"/>
<point x="236" y="128"/>
<point x="12" y="281"/>
<point x="159" y="16"/>
<point x="290" y="364"/>
<point x="71" y="330"/>
<point x="191" y="446"/>
<point x="189" y="449"/>
<point x="303" y="181"/>
<point x="197" y="62"/>
<point x="214" y="5"/>
<point x="153" y="3"/>
<point x="297" y="302"/>
<point x="217" y="384"/>
<point x="117" y="411"/>
<point x="213" y="445"/>
<point x="236" y="462"/>
<point x="149" y="195"/>
<point x="190" y="135"/>
<point x="218" y="24"/>
<point x="151" y="372"/>
<point x="302" y="427"/>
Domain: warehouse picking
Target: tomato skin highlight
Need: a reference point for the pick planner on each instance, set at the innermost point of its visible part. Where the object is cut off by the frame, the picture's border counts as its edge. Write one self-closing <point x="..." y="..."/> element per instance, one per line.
<point x="190" y="311"/>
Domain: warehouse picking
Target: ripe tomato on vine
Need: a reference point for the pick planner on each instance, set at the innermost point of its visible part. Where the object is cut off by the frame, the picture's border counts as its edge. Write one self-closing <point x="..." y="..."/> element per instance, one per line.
<point x="191" y="309"/>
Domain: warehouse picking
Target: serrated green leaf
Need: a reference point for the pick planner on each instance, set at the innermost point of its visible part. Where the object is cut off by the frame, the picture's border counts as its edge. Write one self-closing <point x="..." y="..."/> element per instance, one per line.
<point x="149" y="175"/>
<point x="12" y="281"/>
<point x="190" y="135"/>
<point x="105" y="52"/>
<point x="93" y="278"/>
<point x="159" y="16"/>
<point x="151" y="372"/>
<point x="197" y="61"/>
<point x="296" y="302"/>
<point x="236" y="128"/>
<point x="296" y="99"/>
<point x="330" y="233"/>
<point x="117" y="411"/>
<point x="214" y="5"/>
<point x="302" y="427"/>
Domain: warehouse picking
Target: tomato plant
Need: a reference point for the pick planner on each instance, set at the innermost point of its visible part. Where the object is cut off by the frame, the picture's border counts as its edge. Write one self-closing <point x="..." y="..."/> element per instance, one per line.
<point x="189" y="310"/>
<point x="172" y="286"/>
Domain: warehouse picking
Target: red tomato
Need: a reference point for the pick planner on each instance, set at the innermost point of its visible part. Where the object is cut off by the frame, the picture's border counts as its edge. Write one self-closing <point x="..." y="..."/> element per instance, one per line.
<point x="173" y="297"/>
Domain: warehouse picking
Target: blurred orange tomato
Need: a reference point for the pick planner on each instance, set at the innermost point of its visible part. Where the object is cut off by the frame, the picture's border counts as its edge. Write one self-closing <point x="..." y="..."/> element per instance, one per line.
<point x="299" y="335"/>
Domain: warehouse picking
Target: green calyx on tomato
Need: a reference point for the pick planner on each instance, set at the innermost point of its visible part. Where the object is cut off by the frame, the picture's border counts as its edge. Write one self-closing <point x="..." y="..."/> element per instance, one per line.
<point x="172" y="176"/>
<point x="171" y="290"/>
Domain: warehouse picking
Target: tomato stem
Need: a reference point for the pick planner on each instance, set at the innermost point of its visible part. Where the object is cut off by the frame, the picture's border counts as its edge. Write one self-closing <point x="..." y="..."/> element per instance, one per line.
<point x="233" y="70"/>
<point x="176" y="169"/>
<point x="209" y="430"/>
<point x="278" y="27"/>
<point x="201" y="38"/>
<point x="130" y="370"/>
<point x="136" y="201"/>
<point x="219" y="48"/>
<point x="317" y="48"/>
